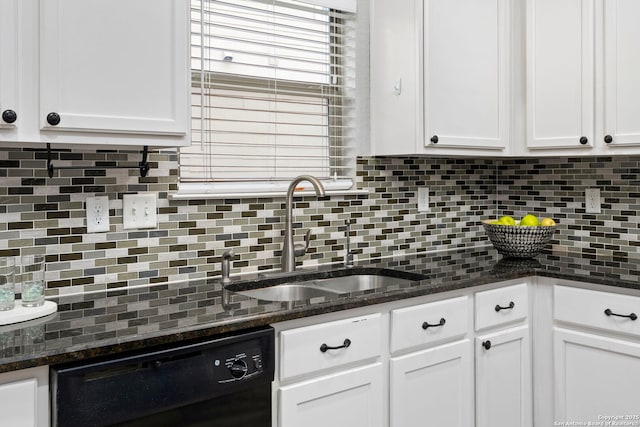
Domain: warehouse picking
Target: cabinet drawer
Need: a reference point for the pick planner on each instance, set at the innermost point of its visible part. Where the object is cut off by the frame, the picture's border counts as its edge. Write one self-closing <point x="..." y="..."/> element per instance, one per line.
<point x="429" y="324"/>
<point x="501" y="306"/>
<point x="586" y="307"/>
<point x="302" y="352"/>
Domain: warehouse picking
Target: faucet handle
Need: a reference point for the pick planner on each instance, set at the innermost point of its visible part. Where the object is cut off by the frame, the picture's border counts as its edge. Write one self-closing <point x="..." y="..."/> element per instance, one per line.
<point x="300" y="249"/>
<point x="228" y="254"/>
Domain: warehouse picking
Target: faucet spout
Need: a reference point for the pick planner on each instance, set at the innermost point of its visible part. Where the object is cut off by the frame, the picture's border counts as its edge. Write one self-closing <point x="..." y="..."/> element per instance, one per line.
<point x="289" y="250"/>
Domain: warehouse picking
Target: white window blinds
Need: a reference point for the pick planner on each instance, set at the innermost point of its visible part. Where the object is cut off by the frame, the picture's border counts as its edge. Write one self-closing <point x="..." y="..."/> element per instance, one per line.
<point x="273" y="95"/>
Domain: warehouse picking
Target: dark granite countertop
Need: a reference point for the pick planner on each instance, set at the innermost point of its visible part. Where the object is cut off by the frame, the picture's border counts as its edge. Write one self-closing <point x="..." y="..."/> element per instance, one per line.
<point x="101" y="324"/>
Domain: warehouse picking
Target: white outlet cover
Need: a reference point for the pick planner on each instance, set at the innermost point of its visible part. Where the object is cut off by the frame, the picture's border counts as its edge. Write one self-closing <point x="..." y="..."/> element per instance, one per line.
<point x="592" y="202"/>
<point x="139" y="211"/>
<point x="97" y="214"/>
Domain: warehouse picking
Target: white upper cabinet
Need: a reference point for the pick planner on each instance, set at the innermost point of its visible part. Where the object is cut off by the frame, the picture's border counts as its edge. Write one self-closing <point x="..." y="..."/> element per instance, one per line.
<point x="395" y="63"/>
<point x="8" y="68"/>
<point x="441" y="76"/>
<point x="583" y="94"/>
<point x="498" y="77"/>
<point x="126" y="73"/>
<point x="560" y="74"/>
<point x="94" y="72"/>
<point x="621" y="66"/>
<point x="466" y="74"/>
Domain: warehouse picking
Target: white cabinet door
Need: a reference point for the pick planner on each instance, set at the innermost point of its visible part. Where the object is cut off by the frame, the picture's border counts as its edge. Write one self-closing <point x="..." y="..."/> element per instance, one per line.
<point x="560" y="73"/>
<point x="24" y="398"/>
<point x="503" y="379"/>
<point x="9" y="108"/>
<point x="621" y="69"/>
<point x="595" y="377"/>
<point x="395" y="76"/>
<point x="351" y="398"/>
<point x="466" y="73"/>
<point x="114" y="66"/>
<point x="434" y="385"/>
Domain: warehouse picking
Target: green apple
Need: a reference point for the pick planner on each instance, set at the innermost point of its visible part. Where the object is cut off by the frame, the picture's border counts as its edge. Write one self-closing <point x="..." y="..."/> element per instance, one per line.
<point x="530" y="220"/>
<point x="507" y="220"/>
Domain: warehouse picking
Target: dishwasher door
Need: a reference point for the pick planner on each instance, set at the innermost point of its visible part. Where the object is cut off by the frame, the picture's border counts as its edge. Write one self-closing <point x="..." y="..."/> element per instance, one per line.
<point x="224" y="382"/>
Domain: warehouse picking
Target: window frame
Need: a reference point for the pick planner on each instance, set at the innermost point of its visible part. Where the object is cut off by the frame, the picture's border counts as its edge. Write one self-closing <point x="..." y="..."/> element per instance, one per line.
<point x="332" y="93"/>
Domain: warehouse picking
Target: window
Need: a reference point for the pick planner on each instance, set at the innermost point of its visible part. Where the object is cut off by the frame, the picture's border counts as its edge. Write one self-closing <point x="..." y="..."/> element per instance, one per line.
<point x="273" y="95"/>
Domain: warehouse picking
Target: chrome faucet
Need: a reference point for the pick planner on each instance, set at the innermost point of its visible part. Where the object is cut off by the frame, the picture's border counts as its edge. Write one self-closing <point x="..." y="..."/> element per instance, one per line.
<point x="349" y="255"/>
<point x="226" y="267"/>
<point x="289" y="250"/>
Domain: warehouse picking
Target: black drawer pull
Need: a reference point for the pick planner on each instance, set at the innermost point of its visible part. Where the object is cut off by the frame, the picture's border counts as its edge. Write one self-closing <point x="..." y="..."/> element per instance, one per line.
<point x="631" y="316"/>
<point x="486" y="344"/>
<point x="427" y="325"/>
<point x="509" y="307"/>
<point x="584" y="140"/>
<point x="345" y="344"/>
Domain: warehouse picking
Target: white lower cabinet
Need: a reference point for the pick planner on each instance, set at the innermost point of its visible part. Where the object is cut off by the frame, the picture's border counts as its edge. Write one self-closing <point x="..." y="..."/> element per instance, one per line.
<point x="467" y="360"/>
<point x="24" y="398"/>
<point x="596" y="355"/>
<point x="503" y="379"/>
<point x="410" y="364"/>
<point x="351" y="398"/>
<point x="330" y="373"/>
<point x="596" y="377"/>
<point x="433" y="387"/>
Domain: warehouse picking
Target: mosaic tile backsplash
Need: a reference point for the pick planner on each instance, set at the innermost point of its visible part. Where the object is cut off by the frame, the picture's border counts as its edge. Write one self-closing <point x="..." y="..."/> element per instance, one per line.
<point x="47" y="215"/>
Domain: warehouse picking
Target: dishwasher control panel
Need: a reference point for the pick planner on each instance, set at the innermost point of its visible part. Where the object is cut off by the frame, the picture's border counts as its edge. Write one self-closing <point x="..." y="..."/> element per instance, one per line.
<point x="238" y="363"/>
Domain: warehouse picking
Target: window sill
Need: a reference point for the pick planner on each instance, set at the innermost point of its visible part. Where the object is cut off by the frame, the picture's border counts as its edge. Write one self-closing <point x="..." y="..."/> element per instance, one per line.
<point x="271" y="195"/>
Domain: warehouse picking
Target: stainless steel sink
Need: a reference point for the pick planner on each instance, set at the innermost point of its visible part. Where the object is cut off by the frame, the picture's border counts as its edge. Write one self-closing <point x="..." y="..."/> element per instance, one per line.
<point x="328" y="287"/>
<point x="287" y="292"/>
<point x="356" y="283"/>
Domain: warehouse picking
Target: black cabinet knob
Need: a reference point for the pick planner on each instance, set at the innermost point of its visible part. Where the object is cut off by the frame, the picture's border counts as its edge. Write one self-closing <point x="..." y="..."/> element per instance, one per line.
<point x="486" y="344"/>
<point x="9" y="116"/>
<point x="608" y="139"/>
<point x="584" y="140"/>
<point x="53" y="119"/>
<point x="434" y="139"/>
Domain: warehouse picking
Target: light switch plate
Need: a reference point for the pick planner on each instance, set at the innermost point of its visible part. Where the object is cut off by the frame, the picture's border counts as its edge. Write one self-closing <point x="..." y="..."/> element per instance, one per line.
<point x="423" y="199"/>
<point x="139" y="211"/>
<point x="97" y="214"/>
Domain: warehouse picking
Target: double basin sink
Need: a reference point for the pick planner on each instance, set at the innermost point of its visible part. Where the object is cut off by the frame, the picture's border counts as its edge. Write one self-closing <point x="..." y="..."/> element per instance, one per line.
<point x="342" y="282"/>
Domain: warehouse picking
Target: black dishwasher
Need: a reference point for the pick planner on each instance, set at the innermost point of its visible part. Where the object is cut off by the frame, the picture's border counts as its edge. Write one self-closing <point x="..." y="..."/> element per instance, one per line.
<point x="223" y="382"/>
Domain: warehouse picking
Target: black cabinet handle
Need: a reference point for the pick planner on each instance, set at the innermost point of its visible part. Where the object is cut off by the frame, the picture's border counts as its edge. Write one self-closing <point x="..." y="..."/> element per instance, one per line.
<point x="486" y="344"/>
<point x="53" y="119"/>
<point x="631" y="316"/>
<point x="427" y="325"/>
<point x="9" y="116"/>
<point x="345" y="344"/>
<point x="509" y="307"/>
<point x="434" y="139"/>
<point x="608" y="139"/>
<point x="584" y="140"/>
